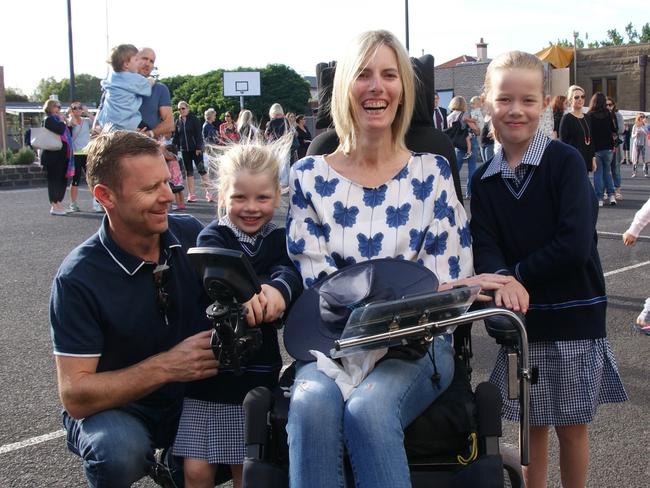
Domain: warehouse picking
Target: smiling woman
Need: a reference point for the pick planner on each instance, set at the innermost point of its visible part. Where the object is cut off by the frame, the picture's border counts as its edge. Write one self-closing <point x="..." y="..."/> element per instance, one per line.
<point x="370" y="199"/>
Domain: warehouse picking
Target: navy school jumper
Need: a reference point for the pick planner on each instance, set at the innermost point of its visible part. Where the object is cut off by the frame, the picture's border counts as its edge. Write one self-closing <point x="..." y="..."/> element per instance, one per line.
<point x="544" y="233"/>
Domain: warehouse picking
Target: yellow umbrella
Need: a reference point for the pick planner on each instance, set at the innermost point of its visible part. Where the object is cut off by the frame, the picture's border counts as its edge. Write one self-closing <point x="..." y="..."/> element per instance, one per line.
<point x="558" y="56"/>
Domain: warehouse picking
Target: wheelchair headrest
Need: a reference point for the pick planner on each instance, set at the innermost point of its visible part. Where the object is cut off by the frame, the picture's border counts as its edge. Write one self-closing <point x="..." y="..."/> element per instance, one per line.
<point x="424" y="89"/>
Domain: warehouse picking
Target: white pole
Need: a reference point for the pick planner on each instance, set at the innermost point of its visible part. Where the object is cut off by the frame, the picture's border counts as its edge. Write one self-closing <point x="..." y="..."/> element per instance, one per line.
<point x="241" y="102"/>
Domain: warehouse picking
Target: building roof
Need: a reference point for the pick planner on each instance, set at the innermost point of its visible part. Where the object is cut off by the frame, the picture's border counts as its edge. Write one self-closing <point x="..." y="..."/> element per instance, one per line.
<point x="460" y="59"/>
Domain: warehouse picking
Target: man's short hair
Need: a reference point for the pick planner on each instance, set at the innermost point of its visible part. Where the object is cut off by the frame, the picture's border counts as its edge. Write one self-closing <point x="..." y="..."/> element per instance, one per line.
<point x="106" y="152"/>
<point x="120" y="55"/>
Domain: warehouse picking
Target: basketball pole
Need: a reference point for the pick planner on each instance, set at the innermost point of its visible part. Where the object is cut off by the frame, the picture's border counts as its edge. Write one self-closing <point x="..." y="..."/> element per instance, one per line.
<point x="241" y="102"/>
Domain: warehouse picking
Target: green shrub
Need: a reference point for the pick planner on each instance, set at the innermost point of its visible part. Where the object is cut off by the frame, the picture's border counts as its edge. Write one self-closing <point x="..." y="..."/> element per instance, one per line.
<point x="24" y="156"/>
<point x="6" y="157"/>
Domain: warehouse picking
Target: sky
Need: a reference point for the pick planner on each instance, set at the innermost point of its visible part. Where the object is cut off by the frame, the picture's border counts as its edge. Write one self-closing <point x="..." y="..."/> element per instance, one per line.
<point x="196" y="36"/>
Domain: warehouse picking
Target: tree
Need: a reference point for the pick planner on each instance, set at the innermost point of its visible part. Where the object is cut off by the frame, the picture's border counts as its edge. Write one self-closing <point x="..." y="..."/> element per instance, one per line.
<point x="632" y="34"/>
<point x="613" y="38"/>
<point x="645" y="33"/>
<point x="279" y="83"/>
<point x="15" y="95"/>
<point x="87" y="89"/>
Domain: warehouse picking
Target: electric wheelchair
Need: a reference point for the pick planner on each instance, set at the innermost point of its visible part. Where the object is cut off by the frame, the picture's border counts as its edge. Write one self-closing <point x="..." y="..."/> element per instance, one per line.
<point x="455" y="442"/>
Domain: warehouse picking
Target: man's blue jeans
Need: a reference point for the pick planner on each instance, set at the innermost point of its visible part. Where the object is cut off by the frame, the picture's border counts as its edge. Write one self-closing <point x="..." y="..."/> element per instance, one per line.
<point x="603" y="172"/>
<point x="117" y="446"/>
<point x="370" y="425"/>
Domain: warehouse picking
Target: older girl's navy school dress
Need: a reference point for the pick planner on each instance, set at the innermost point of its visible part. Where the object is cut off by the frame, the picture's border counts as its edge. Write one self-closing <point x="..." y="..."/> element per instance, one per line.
<point x="538" y="223"/>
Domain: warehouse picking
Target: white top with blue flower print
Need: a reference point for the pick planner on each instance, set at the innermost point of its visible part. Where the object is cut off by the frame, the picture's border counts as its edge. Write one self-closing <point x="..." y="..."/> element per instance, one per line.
<point x="415" y="215"/>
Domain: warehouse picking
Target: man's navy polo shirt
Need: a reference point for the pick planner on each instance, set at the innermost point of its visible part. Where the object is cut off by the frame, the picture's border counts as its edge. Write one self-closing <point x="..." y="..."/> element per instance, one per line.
<point x="103" y="302"/>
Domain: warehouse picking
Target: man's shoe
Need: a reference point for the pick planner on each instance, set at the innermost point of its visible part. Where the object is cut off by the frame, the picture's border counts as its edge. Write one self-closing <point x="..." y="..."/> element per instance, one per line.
<point x="191" y="198"/>
<point x="74" y="207"/>
<point x="612" y="200"/>
<point x="600" y="202"/>
<point x="57" y="211"/>
<point x="618" y="195"/>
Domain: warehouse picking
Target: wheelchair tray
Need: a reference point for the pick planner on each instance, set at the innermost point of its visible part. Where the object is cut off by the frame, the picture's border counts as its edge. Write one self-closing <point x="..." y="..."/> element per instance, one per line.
<point x="407" y="312"/>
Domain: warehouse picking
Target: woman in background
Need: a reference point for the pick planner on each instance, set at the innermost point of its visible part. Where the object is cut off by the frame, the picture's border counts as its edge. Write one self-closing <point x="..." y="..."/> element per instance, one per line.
<point x="56" y="162"/>
<point x="575" y="129"/>
<point x="603" y="131"/>
<point x="558" y="106"/>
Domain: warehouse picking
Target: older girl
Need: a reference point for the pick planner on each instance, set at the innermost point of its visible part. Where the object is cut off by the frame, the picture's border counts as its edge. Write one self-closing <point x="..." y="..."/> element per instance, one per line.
<point x="534" y="217"/>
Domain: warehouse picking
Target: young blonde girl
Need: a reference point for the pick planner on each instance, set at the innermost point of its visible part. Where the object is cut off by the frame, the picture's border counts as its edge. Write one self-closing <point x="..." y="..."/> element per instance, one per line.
<point x="211" y="426"/>
<point x="638" y="144"/>
<point x="534" y="217"/>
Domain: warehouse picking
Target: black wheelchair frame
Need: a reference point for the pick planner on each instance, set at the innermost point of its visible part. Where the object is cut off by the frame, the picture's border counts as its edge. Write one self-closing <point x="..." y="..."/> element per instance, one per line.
<point x="266" y="462"/>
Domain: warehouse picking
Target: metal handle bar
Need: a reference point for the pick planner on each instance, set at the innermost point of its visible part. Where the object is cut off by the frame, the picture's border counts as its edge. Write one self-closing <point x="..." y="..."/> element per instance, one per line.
<point x="434" y="328"/>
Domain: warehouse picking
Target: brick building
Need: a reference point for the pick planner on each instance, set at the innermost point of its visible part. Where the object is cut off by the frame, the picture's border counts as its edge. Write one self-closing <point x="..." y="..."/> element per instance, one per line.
<point x="462" y="76"/>
<point x="618" y="71"/>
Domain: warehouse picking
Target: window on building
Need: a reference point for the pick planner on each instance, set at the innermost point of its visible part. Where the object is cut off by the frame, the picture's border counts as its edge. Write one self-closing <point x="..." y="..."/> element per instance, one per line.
<point x="611" y="88"/>
<point x="596" y="85"/>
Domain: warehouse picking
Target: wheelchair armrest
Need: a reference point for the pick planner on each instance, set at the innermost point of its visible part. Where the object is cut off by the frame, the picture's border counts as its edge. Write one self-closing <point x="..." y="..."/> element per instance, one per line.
<point x="501" y="329"/>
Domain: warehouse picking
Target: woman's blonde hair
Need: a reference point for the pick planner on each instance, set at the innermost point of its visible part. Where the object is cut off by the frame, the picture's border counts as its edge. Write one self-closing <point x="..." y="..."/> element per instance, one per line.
<point x="49" y="104"/>
<point x="275" y="110"/>
<point x="250" y="156"/>
<point x="458" y="103"/>
<point x="348" y="69"/>
<point x="572" y="89"/>
<point x="639" y="117"/>
<point x="209" y="113"/>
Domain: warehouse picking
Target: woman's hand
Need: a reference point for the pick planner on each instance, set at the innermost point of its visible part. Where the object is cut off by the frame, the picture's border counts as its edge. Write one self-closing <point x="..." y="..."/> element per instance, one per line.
<point x="508" y="292"/>
<point x="487" y="281"/>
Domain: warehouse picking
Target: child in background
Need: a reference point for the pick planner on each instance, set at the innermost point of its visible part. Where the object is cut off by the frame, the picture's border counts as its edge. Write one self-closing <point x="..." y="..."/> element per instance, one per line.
<point x="124" y="89"/>
<point x="638" y="144"/>
<point x="211" y="429"/>
<point x="641" y="219"/>
<point x="176" y="180"/>
<point x="534" y="216"/>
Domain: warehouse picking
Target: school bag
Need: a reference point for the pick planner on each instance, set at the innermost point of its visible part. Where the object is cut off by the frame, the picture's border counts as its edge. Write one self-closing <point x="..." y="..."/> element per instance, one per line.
<point x="458" y="134"/>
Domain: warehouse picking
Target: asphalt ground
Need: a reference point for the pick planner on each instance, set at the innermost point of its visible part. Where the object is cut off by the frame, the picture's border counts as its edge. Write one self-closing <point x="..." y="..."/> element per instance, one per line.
<point x="33" y="244"/>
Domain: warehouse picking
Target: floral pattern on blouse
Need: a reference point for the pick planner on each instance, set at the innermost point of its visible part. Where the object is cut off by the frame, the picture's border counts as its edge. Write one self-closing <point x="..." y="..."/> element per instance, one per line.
<point x="334" y="222"/>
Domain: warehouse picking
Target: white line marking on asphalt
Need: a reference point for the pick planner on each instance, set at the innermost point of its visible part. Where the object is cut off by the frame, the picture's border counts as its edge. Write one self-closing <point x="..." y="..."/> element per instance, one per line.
<point x="32" y="441"/>
<point x="626" y="268"/>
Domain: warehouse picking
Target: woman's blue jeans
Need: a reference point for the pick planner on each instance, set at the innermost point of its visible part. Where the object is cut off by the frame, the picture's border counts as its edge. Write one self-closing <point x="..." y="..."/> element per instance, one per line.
<point x="370" y="425"/>
<point x="117" y="446"/>
<point x="603" y="174"/>
<point x="471" y="164"/>
<point x="616" y="165"/>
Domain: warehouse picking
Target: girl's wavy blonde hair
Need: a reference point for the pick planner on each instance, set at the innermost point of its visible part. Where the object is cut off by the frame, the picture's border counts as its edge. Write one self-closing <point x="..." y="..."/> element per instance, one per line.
<point x="348" y="69"/>
<point x="250" y="155"/>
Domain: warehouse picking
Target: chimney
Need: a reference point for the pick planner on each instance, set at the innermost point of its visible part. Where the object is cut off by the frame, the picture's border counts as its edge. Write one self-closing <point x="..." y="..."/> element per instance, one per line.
<point x="481" y="50"/>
